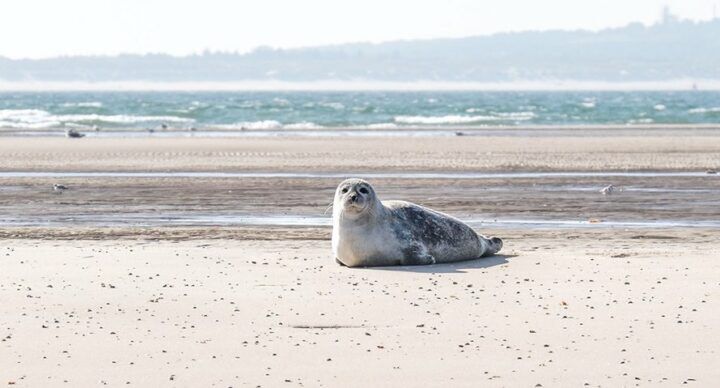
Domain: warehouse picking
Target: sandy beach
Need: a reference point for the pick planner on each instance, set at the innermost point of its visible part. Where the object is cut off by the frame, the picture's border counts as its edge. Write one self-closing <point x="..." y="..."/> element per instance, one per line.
<point x="136" y="281"/>
<point x="555" y="310"/>
<point x="561" y="150"/>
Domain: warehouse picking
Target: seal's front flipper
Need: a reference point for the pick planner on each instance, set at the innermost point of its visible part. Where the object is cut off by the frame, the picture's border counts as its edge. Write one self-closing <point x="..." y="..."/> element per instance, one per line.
<point x="340" y="262"/>
<point x="494" y="245"/>
<point x="418" y="260"/>
<point x="416" y="254"/>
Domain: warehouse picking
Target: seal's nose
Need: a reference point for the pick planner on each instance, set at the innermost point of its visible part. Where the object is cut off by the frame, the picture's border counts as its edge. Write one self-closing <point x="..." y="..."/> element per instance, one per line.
<point x="353" y="197"/>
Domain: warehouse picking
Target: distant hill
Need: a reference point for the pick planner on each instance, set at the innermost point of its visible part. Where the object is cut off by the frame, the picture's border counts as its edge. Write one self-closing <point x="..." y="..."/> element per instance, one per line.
<point x="672" y="49"/>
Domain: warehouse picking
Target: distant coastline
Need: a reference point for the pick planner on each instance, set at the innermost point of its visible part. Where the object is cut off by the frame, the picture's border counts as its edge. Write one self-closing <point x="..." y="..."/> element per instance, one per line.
<point x="682" y="84"/>
<point x="671" y="55"/>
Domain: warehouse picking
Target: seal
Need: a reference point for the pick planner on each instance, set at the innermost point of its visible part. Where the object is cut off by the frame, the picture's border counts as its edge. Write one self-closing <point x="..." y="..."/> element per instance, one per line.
<point x="368" y="232"/>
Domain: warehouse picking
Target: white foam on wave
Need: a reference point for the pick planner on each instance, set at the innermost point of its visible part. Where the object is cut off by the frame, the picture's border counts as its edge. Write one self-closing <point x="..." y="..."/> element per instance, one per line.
<point x="450" y="119"/>
<point x="659" y="107"/>
<point x="641" y="121"/>
<point x="705" y="110"/>
<point x="464" y="119"/>
<point x="43" y="125"/>
<point x="36" y="118"/>
<point x="268" y="125"/>
<point x="262" y="124"/>
<point x="18" y="114"/>
<point x="249" y="105"/>
<point x="281" y="101"/>
<point x="381" y="126"/>
<point x="26" y="118"/>
<point x="302" y="125"/>
<point x="516" y="115"/>
<point x="91" y="104"/>
<point x="125" y="119"/>
<point x="333" y="105"/>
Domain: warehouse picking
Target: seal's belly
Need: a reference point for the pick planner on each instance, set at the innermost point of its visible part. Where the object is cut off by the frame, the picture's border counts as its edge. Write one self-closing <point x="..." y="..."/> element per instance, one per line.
<point x="367" y="248"/>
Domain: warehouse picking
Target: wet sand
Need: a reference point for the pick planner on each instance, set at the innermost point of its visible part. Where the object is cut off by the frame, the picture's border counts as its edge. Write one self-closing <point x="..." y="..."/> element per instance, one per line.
<point x="183" y="201"/>
<point x="181" y="304"/>
<point x="118" y="201"/>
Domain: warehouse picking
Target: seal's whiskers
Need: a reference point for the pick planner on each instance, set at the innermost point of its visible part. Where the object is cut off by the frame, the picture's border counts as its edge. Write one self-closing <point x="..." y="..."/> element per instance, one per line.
<point x="330" y="206"/>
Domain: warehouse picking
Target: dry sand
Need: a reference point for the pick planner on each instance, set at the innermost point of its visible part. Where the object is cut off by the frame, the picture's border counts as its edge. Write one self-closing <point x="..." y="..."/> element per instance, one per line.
<point x="597" y="149"/>
<point x="561" y="310"/>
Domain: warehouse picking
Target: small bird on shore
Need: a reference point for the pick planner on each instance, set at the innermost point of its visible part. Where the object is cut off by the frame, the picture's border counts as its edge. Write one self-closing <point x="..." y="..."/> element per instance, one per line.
<point x="711" y="172"/>
<point x="607" y="190"/>
<point x="71" y="133"/>
<point x="59" y="188"/>
<point x="96" y="128"/>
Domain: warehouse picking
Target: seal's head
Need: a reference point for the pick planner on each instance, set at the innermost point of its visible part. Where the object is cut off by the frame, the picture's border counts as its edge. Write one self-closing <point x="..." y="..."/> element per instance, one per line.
<point x="354" y="198"/>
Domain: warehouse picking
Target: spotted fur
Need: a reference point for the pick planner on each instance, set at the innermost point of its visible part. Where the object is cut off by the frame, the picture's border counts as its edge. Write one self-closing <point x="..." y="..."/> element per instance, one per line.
<point x="369" y="232"/>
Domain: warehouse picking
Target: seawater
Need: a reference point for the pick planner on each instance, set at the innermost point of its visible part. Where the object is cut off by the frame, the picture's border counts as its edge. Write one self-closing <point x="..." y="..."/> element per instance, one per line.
<point x="43" y="111"/>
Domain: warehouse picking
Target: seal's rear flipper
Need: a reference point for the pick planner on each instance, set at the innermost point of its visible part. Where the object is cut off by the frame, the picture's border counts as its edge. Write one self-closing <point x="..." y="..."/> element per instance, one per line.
<point x="495" y="244"/>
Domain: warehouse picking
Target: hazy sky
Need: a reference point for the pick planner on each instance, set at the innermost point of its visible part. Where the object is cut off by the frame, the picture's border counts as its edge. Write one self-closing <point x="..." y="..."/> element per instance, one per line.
<point x="43" y="28"/>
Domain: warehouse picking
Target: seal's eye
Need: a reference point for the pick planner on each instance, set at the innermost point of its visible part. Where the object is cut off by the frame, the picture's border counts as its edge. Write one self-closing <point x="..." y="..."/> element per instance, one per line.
<point x="344" y="190"/>
<point x="363" y="190"/>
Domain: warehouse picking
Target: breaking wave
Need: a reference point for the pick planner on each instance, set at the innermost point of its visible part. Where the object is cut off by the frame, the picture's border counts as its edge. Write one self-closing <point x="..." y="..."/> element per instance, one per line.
<point x="91" y="104"/>
<point x="267" y="124"/>
<point x="36" y="118"/>
<point x="263" y="124"/>
<point x="381" y="126"/>
<point x="462" y="119"/>
<point x="705" y="110"/>
<point x="303" y="125"/>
